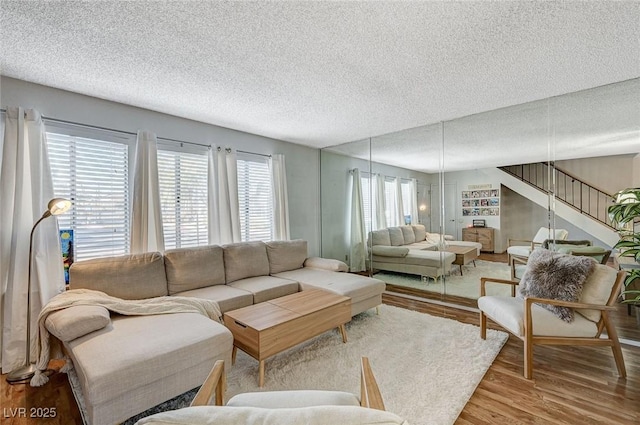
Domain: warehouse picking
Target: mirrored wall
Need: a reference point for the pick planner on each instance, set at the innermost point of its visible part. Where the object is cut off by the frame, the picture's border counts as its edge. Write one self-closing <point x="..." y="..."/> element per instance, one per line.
<point x="431" y="209"/>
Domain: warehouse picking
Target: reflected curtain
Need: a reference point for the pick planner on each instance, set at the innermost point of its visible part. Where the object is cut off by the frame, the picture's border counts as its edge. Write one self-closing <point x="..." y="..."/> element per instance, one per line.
<point x="280" y="198"/>
<point x="224" y="213"/>
<point x="399" y="208"/>
<point x="146" y="215"/>
<point x="26" y="186"/>
<point x="357" y="251"/>
<point x="380" y="221"/>
<point x="413" y="190"/>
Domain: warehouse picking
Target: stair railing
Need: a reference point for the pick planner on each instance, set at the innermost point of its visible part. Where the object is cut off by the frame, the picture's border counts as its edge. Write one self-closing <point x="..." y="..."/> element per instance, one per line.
<point x="571" y="190"/>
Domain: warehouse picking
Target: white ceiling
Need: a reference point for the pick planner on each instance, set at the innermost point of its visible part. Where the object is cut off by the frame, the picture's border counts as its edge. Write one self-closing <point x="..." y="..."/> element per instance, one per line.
<point x="321" y="73"/>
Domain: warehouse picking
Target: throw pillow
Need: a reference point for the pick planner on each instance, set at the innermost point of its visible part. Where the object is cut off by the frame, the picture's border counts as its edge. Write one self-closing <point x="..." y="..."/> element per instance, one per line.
<point x="556" y="276"/>
<point x="76" y="321"/>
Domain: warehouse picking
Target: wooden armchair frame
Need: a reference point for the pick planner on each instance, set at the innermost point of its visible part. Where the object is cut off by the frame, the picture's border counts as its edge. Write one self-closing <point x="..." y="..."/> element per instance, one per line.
<point x="215" y="385"/>
<point x="530" y="340"/>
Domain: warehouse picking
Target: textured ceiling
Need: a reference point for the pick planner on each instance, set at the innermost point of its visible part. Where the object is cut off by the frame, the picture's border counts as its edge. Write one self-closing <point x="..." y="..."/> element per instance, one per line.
<point x="321" y="73"/>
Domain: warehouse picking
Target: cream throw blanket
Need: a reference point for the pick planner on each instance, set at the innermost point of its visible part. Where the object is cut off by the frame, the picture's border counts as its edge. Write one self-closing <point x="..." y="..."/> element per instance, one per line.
<point x="148" y="306"/>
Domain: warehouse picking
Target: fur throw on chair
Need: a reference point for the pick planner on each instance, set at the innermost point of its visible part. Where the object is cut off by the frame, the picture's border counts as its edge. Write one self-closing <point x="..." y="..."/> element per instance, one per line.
<point x="556" y="276"/>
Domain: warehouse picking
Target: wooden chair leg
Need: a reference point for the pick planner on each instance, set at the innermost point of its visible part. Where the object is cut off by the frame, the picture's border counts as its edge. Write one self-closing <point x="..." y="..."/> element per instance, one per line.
<point x="483" y="325"/>
<point x="615" y="345"/>
<point x="528" y="357"/>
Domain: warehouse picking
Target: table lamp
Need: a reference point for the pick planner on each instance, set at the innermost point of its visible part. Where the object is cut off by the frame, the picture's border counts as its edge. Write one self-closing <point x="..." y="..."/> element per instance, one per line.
<point x="56" y="206"/>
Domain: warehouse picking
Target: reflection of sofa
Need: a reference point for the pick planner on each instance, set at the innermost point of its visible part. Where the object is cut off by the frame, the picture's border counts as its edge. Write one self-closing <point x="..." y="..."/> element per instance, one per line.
<point x="411" y="249"/>
<point x="127" y="364"/>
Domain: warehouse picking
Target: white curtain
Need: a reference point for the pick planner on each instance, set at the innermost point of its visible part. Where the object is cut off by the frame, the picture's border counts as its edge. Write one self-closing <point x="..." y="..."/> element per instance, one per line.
<point x="280" y="198"/>
<point x="26" y="187"/>
<point x="399" y="208"/>
<point x="413" y="189"/>
<point x="224" y="213"/>
<point x="146" y="216"/>
<point x="357" y="251"/>
<point x="380" y="221"/>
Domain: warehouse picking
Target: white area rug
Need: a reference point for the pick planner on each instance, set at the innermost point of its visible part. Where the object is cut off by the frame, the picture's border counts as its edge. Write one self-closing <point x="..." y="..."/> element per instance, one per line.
<point x="467" y="285"/>
<point x="427" y="367"/>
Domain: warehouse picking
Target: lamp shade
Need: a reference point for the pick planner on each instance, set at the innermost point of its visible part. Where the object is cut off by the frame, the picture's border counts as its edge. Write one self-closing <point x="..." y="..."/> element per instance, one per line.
<point x="58" y="206"/>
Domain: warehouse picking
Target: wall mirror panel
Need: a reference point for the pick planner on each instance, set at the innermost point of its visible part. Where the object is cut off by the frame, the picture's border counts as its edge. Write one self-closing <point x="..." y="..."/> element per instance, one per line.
<point x="497" y="176"/>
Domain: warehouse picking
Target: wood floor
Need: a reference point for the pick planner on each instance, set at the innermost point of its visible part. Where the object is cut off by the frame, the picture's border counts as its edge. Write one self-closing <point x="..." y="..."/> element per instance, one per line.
<point x="571" y="385"/>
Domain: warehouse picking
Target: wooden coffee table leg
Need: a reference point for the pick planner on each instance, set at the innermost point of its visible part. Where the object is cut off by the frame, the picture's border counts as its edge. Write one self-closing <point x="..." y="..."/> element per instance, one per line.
<point x="233" y="355"/>
<point x="261" y="374"/>
<point x="343" y="331"/>
<point x="460" y="269"/>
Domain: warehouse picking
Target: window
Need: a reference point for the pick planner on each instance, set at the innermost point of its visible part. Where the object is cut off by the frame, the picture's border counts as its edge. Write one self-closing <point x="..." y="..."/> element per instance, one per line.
<point x="254" y="198"/>
<point x="390" y="202"/>
<point x="94" y="174"/>
<point x="183" y="197"/>
<point x="407" y="197"/>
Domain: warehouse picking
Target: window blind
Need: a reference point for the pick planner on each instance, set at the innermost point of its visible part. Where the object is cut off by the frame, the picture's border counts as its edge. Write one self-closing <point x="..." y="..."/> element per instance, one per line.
<point x="254" y="198"/>
<point x="367" y="205"/>
<point x="183" y="198"/>
<point x="94" y="175"/>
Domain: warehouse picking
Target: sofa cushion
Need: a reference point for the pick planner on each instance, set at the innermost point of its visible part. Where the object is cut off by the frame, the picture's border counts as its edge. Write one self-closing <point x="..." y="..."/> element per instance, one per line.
<point x="421" y="258"/>
<point x="134" y="351"/>
<point x="556" y="276"/>
<point x="130" y="277"/>
<point x="193" y="268"/>
<point x="265" y="288"/>
<point x="420" y="232"/>
<point x="352" y="285"/>
<point x="314" y="415"/>
<point x="245" y="259"/>
<point x="286" y="255"/>
<point x="326" y="264"/>
<point x="76" y="321"/>
<point x="408" y="234"/>
<point x="380" y="237"/>
<point x="228" y="298"/>
<point x="390" y="251"/>
<point x="395" y="235"/>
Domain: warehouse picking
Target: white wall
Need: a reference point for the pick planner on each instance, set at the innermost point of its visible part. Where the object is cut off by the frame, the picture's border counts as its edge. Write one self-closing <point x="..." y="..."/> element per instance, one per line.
<point x="607" y="173"/>
<point x="302" y="163"/>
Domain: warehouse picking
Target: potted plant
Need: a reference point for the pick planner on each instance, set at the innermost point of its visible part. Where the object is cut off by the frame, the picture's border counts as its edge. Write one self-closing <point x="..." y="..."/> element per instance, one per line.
<point x="625" y="216"/>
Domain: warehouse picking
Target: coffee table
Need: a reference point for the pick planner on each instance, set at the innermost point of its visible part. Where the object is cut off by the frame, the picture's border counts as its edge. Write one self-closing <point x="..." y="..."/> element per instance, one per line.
<point x="464" y="255"/>
<point x="268" y="328"/>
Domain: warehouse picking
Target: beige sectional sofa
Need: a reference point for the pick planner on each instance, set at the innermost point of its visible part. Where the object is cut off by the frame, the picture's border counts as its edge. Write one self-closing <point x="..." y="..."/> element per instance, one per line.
<point x="411" y="249"/>
<point x="131" y="363"/>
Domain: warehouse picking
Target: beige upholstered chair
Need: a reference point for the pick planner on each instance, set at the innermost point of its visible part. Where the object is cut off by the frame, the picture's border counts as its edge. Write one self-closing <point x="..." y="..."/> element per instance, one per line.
<point x="522" y="248"/>
<point x="536" y="325"/>
<point x="282" y="407"/>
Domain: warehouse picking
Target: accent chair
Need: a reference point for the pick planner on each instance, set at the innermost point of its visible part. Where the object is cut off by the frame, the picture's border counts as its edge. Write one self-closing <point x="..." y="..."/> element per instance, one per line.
<point x="535" y="325"/>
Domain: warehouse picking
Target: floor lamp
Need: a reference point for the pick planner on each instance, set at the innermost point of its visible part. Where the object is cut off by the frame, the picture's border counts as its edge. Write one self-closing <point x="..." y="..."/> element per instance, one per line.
<point x="56" y="206"/>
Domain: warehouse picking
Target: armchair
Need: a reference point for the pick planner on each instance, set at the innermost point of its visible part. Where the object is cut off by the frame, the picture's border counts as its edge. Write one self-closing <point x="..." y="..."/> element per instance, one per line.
<point x="281" y="407"/>
<point x="536" y="325"/>
<point x="522" y="248"/>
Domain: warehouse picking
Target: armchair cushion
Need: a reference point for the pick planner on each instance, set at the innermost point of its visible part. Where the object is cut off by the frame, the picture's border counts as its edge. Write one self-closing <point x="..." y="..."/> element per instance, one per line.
<point x="519" y="250"/>
<point x="597" y="289"/>
<point x="315" y="415"/>
<point x="509" y="313"/>
<point x="299" y="398"/>
<point x="556" y="276"/>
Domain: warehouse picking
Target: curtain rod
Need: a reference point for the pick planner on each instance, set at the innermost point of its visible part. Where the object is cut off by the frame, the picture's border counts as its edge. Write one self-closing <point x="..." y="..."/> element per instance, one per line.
<point x="113" y="130"/>
<point x="254" y="153"/>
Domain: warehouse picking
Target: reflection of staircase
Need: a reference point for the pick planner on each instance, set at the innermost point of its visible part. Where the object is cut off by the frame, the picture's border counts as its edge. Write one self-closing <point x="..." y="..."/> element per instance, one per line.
<point x="572" y="191"/>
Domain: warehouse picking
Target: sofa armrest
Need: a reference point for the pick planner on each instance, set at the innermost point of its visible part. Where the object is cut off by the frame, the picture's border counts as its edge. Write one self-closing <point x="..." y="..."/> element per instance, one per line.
<point x="326" y="264"/>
